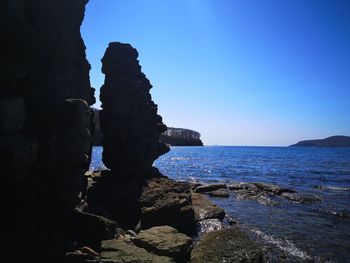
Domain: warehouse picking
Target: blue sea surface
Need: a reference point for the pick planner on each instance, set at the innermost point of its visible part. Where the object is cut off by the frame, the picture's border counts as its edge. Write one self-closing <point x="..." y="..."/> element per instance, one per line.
<point x="316" y="232"/>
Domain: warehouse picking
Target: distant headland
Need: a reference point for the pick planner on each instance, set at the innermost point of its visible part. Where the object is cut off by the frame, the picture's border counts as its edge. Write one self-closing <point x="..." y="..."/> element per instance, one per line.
<point x="333" y="141"/>
<point x="181" y="137"/>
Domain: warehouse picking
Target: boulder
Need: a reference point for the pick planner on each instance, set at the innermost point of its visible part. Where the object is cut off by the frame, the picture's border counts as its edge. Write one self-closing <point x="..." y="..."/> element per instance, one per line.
<point x="167" y="202"/>
<point x="115" y="251"/>
<point x="260" y="197"/>
<point x="226" y="245"/>
<point x="209" y="188"/>
<point x="12" y="114"/>
<point x="165" y="241"/>
<point x="205" y="209"/>
<point x="274" y="189"/>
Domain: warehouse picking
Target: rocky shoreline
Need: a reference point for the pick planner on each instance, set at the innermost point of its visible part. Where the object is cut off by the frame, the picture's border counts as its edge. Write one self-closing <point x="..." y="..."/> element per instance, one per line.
<point x="176" y="223"/>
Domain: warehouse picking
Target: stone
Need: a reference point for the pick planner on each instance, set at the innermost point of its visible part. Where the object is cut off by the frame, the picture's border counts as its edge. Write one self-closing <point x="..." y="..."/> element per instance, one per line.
<point x="274" y="189"/>
<point x="205" y="209"/>
<point x="209" y="188"/>
<point x="165" y="241"/>
<point x="17" y="151"/>
<point x="222" y="192"/>
<point x="226" y="245"/>
<point x="260" y="197"/>
<point x="12" y="114"/>
<point x="117" y="200"/>
<point x="302" y="198"/>
<point x="167" y="202"/>
<point x="130" y="125"/>
<point x="115" y="251"/>
<point x="89" y="229"/>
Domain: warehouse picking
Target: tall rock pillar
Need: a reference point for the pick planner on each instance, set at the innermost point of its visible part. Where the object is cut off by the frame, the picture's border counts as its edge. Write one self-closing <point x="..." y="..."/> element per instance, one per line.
<point x="130" y="124"/>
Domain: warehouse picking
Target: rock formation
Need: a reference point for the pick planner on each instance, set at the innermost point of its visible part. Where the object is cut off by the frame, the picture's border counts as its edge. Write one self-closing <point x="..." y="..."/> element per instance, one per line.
<point x="130" y="125"/>
<point x="181" y="137"/>
<point x="333" y="141"/>
<point x="45" y="121"/>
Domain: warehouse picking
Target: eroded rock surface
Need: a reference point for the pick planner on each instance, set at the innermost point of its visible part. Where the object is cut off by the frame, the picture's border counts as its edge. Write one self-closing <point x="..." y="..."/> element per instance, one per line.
<point x="165" y="241"/>
<point x="167" y="202"/>
<point x="45" y="121"/>
<point x="130" y="124"/>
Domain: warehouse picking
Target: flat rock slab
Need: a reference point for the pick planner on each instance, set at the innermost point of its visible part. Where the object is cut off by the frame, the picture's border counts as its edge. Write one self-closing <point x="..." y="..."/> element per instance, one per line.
<point x="115" y="251"/>
<point x="209" y="188"/>
<point x="167" y="202"/>
<point x="205" y="209"/>
<point x="165" y="241"/>
<point x="302" y="198"/>
<point x="222" y="192"/>
<point x="227" y="245"/>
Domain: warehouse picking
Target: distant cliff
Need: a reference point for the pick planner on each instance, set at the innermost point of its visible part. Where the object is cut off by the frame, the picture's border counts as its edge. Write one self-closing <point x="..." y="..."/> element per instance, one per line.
<point x="333" y="141"/>
<point x="181" y="137"/>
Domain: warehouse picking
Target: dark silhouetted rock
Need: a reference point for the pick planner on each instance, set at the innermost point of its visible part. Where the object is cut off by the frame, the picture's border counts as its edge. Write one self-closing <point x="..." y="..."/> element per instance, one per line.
<point x="333" y="141"/>
<point x="181" y="137"/>
<point x="130" y="125"/>
<point x="167" y="202"/>
<point x="227" y="245"/>
<point x="89" y="229"/>
<point x="12" y="114"/>
<point x="45" y="121"/>
<point x="165" y="241"/>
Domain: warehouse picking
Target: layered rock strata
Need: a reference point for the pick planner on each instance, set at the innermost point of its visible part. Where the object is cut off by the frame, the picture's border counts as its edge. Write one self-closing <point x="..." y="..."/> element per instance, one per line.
<point x="130" y="125"/>
<point x="45" y="122"/>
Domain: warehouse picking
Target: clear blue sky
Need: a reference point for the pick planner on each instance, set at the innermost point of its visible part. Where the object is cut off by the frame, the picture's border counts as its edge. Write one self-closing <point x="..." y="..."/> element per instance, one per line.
<point x="241" y="72"/>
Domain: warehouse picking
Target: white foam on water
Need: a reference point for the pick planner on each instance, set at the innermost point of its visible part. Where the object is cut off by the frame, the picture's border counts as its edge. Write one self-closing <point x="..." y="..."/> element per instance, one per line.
<point x="283" y="244"/>
<point x="338" y="188"/>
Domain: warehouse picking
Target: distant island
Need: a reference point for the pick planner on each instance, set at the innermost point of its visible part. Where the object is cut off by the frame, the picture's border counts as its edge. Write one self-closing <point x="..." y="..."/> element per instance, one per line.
<point x="333" y="141"/>
<point x="181" y="137"/>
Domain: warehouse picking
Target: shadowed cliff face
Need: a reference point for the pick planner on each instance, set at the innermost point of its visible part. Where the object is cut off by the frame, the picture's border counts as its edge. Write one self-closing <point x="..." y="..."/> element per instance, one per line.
<point x="45" y="119"/>
<point x="130" y="125"/>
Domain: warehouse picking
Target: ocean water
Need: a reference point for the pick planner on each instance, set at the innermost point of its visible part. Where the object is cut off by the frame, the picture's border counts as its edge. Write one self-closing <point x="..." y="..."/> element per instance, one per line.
<point x="290" y="232"/>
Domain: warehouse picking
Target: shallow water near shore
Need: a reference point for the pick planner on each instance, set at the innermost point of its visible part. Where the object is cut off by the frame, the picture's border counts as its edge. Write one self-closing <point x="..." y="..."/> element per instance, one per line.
<point x="316" y="232"/>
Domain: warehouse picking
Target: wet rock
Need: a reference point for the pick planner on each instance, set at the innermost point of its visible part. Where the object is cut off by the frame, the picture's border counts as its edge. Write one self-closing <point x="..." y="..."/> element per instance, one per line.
<point x="227" y="245"/>
<point x="255" y="196"/>
<point x="165" y="241"/>
<point x="167" y="202"/>
<point x="219" y="193"/>
<point x="12" y="114"/>
<point x="302" y="198"/>
<point x="114" y="251"/>
<point x="235" y="186"/>
<point x="80" y="257"/>
<point x="130" y="125"/>
<point x="205" y="209"/>
<point x="209" y="188"/>
<point x="271" y="188"/>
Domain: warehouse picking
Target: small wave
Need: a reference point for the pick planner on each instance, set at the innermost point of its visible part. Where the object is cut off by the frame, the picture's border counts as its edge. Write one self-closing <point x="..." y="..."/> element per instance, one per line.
<point x="179" y="158"/>
<point x="335" y="188"/>
<point x="283" y="244"/>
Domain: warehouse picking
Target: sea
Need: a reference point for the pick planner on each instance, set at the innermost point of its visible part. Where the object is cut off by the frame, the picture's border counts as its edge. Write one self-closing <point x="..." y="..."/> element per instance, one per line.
<point x="290" y="231"/>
